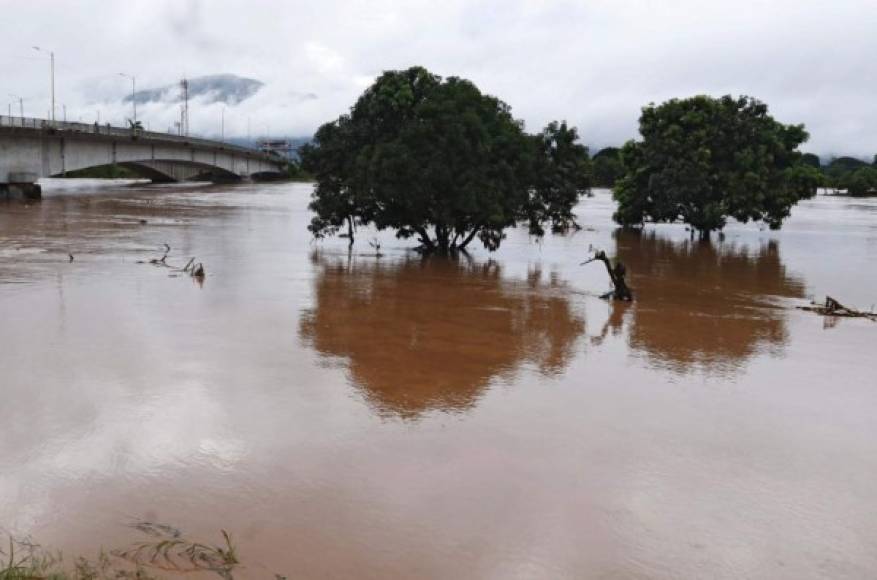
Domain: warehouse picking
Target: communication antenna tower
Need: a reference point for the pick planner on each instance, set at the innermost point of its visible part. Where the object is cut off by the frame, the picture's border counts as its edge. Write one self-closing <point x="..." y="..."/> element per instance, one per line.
<point x="184" y="114"/>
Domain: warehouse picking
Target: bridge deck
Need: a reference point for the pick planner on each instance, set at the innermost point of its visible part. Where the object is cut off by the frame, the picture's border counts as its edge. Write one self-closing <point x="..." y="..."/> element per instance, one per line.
<point x="29" y="124"/>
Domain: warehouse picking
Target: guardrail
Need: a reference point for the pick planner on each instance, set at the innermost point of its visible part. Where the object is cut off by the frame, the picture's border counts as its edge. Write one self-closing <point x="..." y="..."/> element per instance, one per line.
<point x="107" y="129"/>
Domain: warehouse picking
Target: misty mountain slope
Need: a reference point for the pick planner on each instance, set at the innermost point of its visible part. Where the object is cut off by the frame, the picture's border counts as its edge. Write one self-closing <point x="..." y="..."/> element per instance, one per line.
<point x="222" y="88"/>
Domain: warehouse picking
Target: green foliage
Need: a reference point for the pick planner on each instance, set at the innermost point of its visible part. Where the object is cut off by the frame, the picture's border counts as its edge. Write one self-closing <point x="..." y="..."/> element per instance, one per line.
<point x="860" y="182"/>
<point x="840" y="168"/>
<point x="562" y="173"/>
<point x="812" y="160"/>
<point x="437" y="160"/>
<point x="294" y="170"/>
<point x="166" y="551"/>
<point x="702" y="160"/>
<point x="608" y="167"/>
<point x="845" y="164"/>
<point x="105" y="172"/>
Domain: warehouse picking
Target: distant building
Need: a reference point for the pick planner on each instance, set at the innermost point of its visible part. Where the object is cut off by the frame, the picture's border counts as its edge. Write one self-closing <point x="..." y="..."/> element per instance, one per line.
<point x="283" y="148"/>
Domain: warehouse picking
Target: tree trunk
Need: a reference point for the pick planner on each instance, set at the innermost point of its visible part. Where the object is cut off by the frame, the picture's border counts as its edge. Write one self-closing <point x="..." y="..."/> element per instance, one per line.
<point x="350" y="231"/>
<point x="469" y="238"/>
<point x="424" y="238"/>
<point x="443" y="238"/>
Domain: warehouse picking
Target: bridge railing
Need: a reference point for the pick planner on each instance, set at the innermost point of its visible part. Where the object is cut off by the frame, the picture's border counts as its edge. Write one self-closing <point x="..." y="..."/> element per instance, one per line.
<point x="107" y="129"/>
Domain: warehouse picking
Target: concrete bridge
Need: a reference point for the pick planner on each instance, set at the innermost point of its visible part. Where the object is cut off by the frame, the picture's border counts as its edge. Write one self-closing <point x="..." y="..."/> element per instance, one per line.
<point x="35" y="148"/>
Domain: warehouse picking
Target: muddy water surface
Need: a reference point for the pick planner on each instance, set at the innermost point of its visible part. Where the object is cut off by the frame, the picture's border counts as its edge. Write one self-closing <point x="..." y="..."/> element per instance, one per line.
<point x="346" y="415"/>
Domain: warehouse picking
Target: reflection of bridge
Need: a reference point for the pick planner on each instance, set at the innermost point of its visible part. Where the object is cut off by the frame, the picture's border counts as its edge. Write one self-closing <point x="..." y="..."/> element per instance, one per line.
<point x="35" y="148"/>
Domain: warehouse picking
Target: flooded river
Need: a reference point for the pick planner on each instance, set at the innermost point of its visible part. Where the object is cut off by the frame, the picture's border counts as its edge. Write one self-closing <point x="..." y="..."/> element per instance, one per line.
<point x="345" y="415"/>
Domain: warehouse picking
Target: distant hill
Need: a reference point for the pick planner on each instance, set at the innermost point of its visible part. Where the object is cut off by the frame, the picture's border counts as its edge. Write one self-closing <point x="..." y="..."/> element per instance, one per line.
<point x="223" y="88"/>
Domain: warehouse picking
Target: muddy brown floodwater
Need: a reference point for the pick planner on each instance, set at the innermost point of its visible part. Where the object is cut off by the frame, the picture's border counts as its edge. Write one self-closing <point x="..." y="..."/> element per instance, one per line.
<point x="349" y="416"/>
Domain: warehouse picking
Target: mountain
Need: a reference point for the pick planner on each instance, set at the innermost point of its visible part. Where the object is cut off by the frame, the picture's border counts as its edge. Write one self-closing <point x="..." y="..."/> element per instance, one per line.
<point x="225" y="88"/>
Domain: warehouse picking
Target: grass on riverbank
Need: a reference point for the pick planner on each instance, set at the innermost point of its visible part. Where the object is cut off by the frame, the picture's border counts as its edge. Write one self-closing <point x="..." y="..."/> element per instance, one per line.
<point x="166" y="551"/>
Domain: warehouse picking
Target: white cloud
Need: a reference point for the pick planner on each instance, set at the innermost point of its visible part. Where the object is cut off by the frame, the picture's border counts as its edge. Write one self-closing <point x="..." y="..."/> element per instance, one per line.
<point x="592" y="62"/>
<point x="325" y="60"/>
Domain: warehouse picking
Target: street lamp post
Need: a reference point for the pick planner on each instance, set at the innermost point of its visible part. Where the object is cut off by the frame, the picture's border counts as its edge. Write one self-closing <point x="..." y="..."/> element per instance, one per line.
<point x="222" y="126"/>
<point x="133" y="93"/>
<point x="52" y="60"/>
<point x="20" y="105"/>
<point x="20" y="108"/>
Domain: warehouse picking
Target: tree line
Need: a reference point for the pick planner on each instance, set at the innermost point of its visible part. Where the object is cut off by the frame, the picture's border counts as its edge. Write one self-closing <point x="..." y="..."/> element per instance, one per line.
<point x="437" y="160"/>
<point x="854" y="176"/>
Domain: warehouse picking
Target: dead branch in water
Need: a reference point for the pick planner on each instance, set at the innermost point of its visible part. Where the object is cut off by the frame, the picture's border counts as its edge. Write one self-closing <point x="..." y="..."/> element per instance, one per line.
<point x="374" y="243"/>
<point x="832" y="307"/>
<point x="620" y="291"/>
<point x="194" y="270"/>
<point x="158" y="261"/>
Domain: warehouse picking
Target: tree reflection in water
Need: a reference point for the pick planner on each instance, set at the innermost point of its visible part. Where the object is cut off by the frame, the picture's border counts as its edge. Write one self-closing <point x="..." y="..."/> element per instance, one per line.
<point x="431" y="333"/>
<point x="704" y="305"/>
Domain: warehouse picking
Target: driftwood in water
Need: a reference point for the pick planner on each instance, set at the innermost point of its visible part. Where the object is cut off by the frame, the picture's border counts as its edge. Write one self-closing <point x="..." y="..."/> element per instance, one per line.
<point x="832" y="307"/>
<point x="194" y="270"/>
<point x="374" y="243"/>
<point x="620" y="291"/>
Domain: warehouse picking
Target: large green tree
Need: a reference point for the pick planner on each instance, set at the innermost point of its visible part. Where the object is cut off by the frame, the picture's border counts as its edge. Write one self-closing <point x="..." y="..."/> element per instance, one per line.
<point x="437" y="160"/>
<point x="702" y="160"/>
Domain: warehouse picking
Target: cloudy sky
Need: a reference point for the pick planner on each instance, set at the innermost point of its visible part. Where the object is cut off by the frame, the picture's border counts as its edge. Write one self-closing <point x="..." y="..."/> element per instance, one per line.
<point x="591" y="62"/>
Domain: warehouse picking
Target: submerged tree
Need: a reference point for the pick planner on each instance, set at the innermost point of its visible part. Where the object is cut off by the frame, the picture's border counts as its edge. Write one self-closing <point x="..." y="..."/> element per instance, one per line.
<point x="703" y="160"/>
<point x="437" y="160"/>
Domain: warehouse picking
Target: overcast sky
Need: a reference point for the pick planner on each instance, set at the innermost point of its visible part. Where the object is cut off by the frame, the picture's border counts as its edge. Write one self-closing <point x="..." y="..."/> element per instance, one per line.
<point x="591" y="62"/>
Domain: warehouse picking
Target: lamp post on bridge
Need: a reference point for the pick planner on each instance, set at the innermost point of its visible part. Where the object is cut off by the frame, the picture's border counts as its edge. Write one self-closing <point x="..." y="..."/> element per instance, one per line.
<point x="133" y="93"/>
<point x="20" y="105"/>
<point x="52" y="60"/>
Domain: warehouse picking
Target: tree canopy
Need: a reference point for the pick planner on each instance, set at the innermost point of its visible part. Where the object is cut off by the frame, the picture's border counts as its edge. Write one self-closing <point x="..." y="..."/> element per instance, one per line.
<point x="437" y="160"/>
<point x="702" y="160"/>
<point x="607" y="167"/>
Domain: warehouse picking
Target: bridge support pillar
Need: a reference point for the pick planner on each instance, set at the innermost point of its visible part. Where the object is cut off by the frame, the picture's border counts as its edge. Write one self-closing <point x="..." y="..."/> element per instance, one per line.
<point x="20" y="191"/>
<point x="21" y="186"/>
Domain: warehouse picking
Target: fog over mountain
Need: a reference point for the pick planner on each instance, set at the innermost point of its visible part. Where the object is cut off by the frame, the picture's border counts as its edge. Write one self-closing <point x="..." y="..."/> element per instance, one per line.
<point x="225" y="88"/>
<point x="594" y="63"/>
